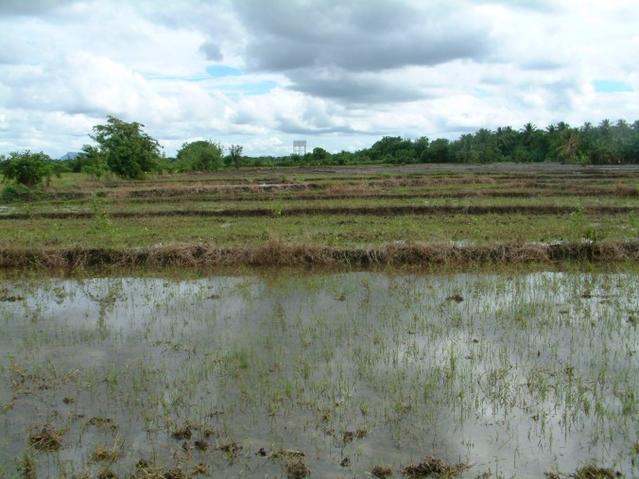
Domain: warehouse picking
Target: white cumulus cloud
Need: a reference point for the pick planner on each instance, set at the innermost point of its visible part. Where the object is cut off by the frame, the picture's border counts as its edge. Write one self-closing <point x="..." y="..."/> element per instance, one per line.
<point x="339" y="74"/>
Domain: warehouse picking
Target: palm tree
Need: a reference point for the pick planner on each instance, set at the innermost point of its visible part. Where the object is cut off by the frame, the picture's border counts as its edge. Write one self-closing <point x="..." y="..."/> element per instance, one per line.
<point x="567" y="148"/>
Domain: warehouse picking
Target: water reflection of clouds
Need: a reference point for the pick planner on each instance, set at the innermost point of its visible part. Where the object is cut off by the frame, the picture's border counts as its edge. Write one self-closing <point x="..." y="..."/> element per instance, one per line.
<point x="521" y="324"/>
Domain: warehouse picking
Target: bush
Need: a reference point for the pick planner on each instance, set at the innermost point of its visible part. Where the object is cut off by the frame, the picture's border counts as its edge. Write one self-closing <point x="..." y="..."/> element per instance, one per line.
<point x="16" y="192"/>
<point x="26" y="168"/>
<point x="92" y="162"/>
<point x="235" y="152"/>
<point x="202" y="155"/>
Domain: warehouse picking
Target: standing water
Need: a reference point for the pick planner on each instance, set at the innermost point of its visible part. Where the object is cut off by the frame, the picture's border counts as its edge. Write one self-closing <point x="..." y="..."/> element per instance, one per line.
<point x="490" y="375"/>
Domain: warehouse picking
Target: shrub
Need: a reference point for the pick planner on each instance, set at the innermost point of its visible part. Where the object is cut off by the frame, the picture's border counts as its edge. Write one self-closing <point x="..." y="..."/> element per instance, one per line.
<point x="235" y="152"/>
<point x="16" y="192"/>
<point x="202" y="155"/>
<point x="92" y="162"/>
<point x="27" y="168"/>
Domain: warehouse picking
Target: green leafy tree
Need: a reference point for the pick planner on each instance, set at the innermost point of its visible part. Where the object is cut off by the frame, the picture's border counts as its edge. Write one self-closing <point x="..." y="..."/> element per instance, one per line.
<point x="567" y="146"/>
<point x="420" y="145"/>
<point x="320" y="155"/>
<point x="465" y="149"/>
<point x="27" y="168"/>
<point x="533" y="145"/>
<point x="93" y="162"/>
<point x="385" y="150"/>
<point x="439" y="151"/>
<point x="402" y="157"/>
<point x="128" y="151"/>
<point x="607" y="143"/>
<point x="235" y="152"/>
<point x="201" y="155"/>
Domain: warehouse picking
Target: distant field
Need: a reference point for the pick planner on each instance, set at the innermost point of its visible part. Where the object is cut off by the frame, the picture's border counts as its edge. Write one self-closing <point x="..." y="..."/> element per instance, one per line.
<point x="370" y="208"/>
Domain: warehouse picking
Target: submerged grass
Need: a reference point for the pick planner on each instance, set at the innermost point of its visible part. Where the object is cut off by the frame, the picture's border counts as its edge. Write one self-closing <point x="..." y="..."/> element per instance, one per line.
<point x="244" y="376"/>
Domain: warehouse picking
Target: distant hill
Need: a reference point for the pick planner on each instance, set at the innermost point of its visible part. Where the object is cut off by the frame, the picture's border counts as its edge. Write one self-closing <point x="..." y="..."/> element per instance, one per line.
<point x="70" y="155"/>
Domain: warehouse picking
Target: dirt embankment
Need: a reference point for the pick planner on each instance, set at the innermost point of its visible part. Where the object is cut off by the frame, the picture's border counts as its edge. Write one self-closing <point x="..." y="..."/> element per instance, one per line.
<point x="351" y="189"/>
<point x="347" y="194"/>
<point x="281" y="254"/>
<point x="435" y="210"/>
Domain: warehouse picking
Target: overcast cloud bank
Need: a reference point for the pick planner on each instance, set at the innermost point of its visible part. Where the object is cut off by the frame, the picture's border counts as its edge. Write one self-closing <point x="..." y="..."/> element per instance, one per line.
<point x="335" y="73"/>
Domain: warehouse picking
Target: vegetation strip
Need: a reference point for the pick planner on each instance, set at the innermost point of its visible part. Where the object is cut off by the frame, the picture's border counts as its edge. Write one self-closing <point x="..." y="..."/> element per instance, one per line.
<point x="356" y="183"/>
<point x="214" y="195"/>
<point x="400" y="196"/>
<point x="276" y="253"/>
<point x="359" y="211"/>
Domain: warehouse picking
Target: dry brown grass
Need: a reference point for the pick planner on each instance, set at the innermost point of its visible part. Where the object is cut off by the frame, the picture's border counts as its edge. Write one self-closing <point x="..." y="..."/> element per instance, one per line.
<point x="623" y="189"/>
<point x="333" y="191"/>
<point x="382" y="472"/>
<point x="27" y="467"/>
<point x="591" y="471"/>
<point x="430" y="465"/>
<point x="102" y="454"/>
<point x="297" y="470"/>
<point x="46" y="438"/>
<point x="279" y="253"/>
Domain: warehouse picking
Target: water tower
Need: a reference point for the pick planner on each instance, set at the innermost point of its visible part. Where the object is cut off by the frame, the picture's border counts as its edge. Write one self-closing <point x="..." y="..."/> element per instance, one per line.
<point x="299" y="147"/>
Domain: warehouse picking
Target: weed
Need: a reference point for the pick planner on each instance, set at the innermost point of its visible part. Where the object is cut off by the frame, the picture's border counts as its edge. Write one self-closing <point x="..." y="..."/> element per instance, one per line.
<point x="382" y="472"/>
<point x="27" y="467"/>
<point x="46" y="438"/>
<point x="595" y="472"/>
<point x="430" y="465"/>
<point x="297" y="470"/>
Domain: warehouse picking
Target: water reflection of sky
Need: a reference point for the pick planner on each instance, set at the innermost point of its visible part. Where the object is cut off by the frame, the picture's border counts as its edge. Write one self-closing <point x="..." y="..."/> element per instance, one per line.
<point x="389" y="341"/>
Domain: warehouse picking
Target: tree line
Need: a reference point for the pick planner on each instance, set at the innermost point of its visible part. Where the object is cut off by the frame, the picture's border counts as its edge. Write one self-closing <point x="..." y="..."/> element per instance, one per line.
<point x="124" y="149"/>
<point x="120" y="148"/>
<point x="606" y="143"/>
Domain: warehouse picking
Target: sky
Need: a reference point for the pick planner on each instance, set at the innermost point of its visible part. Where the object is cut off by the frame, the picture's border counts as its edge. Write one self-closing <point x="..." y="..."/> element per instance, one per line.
<point x="338" y="74"/>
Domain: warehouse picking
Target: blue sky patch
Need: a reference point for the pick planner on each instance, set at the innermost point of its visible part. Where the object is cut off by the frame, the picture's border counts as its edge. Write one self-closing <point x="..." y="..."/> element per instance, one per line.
<point x="219" y="71"/>
<point x="610" y="86"/>
<point x="258" y="88"/>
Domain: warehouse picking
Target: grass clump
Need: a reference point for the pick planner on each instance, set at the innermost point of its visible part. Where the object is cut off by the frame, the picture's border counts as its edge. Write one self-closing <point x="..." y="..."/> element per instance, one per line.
<point x="184" y="433"/>
<point x="144" y="470"/>
<point x="27" y="467"/>
<point x="433" y="466"/>
<point x="107" y="474"/>
<point x="16" y="192"/>
<point x="46" y="438"/>
<point x="297" y="470"/>
<point x="102" y="454"/>
<point x="287" y="454"/>
<point x="382" y="472"/>
<point x="591" y="471"/>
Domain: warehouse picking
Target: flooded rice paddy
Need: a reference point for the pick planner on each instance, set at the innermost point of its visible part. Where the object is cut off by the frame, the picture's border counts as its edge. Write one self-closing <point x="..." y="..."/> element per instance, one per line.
<point x="332" y="375"/>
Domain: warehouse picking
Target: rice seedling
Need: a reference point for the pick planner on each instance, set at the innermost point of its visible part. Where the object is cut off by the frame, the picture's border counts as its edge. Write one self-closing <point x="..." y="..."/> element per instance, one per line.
<point x="347" y="373"/>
